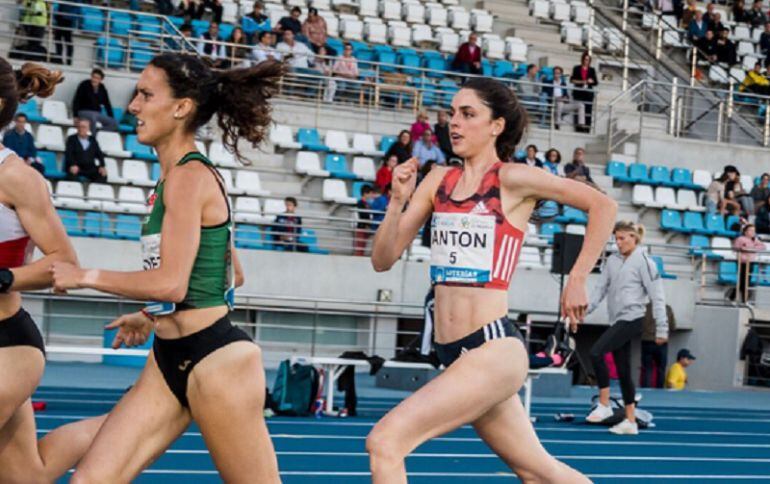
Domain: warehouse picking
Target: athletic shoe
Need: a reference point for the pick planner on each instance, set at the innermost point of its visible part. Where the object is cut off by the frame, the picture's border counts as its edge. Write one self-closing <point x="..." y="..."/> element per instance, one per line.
<point x="599" y="414"/>
<point x="626" y="427"/>
<point x="567" y="350"/>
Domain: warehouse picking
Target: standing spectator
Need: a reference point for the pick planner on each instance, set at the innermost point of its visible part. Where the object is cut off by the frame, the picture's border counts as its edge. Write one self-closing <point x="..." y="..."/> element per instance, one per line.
<point x="755" y="82"/>
<point x="761" y="191"/>
<point x="654" y="353"/>
<point x="420" y="125"/>
<point x="364" y="228"/>
<point x="740" y="14"/>
<point x="346" y="67"/>
<point x="710" y="12"/>
<point x="216" y="9"/>
<point x="402" y="148"/>
<point x="91" y="96"/>
<point x="726" y="48"/>
<point x="189" y="9"/>
<point x="707" y="47"/>
<point x="441" y="130"/>
<point x="747" y="245"/>
<point x="236" y="51"/>
<point x="265" y="49"/>
<point x="577" y="170"/>
<point x="34" y="19"/>
<point x="531" y="158"/>
<point x="756" y="17"/>
<point x="558" y="95"/>
<point x="256" y="22"/>
<point x="629" y="279"/>
<point x="584" y="79"/>
<point x="301" y="55"/>
<point x="384" y="175"/>
<point x="764" y="44"/>
<point x="426" y="150"/>
<point x="314" y="29"/>
<point x="697" y="28"/>
<point x="676" y="378"/>
<point x="552" y="162"/>
<point x="288" y="227"/>
<point x="64" y="22"/>
<point x="83" y="157"/>
<point x="290" y="23"/>
<point x="22" y="142"/>
<point x="210" y="46"/>
<point x="763" y="217"/>
<point x="468" y="57"/>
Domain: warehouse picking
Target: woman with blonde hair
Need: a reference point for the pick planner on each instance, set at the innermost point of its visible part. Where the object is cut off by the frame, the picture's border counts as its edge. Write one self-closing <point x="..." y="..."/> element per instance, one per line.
<point x="629" y="279"/>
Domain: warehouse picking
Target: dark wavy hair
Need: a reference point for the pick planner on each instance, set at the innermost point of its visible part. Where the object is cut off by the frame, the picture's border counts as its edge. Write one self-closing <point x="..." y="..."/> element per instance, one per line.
<point x="239" y="97"/>
<point x="504" y="104"/>
<point x="19" y="85"/>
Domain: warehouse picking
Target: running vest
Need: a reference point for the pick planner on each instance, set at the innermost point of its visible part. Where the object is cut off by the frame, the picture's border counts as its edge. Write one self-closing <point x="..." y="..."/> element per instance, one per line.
<point x="211" y="280"/>
<point x="15" y="244"/>
<point x="472" y="243"/>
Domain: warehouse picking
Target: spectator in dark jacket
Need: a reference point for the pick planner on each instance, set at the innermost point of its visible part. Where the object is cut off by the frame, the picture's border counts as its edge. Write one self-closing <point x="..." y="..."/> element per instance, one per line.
<point x="64" y="22"/>
<point x="707" y="47"/>
<point x="763" y="218"/>
<point x="761" y="191"/>
<point x="22" y="142"/>
<point x="577" y="169"/>
<point x="90" y="97"/>
<point x="715" y="23"/>
<point x="726" y="49"/>
<point x="83" y="157"/>
<point x="291" y="23"/>
<point x="288" y="227"/>
<point x="402" y="148"/>
<point x="468" y="56"/>
<point x="441" y="130"/>
<point x="697" y="28"/>
<point x="756" y="17"/>
<point x="654" y="353"/>
<point x="584" y="79"/>
<point x="531" y="159"/>
<point x="740" y="14"/>
<point x="764" y="44"/>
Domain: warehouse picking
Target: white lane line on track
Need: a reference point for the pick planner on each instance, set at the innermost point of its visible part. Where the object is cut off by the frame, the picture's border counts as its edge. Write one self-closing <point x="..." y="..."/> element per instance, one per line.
<point x="467" y="474"/>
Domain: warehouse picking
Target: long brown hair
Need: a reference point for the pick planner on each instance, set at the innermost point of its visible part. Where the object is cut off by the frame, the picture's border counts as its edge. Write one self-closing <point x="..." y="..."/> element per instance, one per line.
<point x="19" y="85"/>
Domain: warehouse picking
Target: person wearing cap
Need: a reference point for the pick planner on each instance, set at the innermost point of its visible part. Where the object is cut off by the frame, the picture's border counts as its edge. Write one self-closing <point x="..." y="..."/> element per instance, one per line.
<point x="676" y="378"/>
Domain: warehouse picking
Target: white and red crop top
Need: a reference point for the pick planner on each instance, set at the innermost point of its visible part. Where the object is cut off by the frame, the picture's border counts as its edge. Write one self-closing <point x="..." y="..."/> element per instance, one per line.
<point x="472" y="242"/>
<point x="15" y="244"/>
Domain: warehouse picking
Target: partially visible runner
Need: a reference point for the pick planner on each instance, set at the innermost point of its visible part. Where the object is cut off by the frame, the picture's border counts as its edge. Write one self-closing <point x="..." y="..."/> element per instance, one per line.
<point x="202" y="368"/>
<point x="28" y="219"/>
<point x="480" y="214"/>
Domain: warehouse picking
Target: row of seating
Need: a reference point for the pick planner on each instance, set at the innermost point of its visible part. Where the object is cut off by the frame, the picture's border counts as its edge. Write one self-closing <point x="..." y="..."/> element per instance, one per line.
<point x="698" y="223"/>
<point x="658" y="175"/>
<point x="716" y="248"/>
<point x="336" y="141"/>
<point x="728" y="274"/>
<point x="52" y="111"/>
<point x="665" y="197"/>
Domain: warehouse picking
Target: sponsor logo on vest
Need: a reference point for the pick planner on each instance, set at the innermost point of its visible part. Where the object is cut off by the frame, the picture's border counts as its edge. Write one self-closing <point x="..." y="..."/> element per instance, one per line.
<point x="480" y="208"/>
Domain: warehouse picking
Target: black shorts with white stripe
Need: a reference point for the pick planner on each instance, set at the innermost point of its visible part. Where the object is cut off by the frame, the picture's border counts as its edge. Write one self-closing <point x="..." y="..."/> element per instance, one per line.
<point x="499" y="328"/>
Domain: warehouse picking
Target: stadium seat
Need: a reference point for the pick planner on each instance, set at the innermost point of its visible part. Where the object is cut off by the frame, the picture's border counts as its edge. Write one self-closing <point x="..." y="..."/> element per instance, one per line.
<point x="274" y="206"/>
<point x="482" y="20"/>
<point x="150" y="28"/>
<point x="250" y="183"/>
<point x="337" y="141"/>
<point x="56" y="112"/>
<point x="687" y="200"/>
<point x="422" y="34"/>
<point x="111" y="144"/>
<point x="103" y="197"/>
<point x="308" y="163"/>
<point x="572" y="215"/>
<point x="548" y="230"/>
<point x="363" y="168"/>
<point x="356" y="188"/>
<point x="227" y="176"/>
<point x="135" y="173"/>
<point x="576" y="229"/>
<point x="30" y="108"/>
<point x="637" y="173"/>
<point x="336" y="165"/>
<point x="671" y="220"/>
<point x="571" y="34"/>
<point x="662" y="268"/>
<point x="309" y="239"/>
<point x="98" y="225"/>
<point x="128" y="227"/>
<point x="699" y="246"/>
<point x="132" y="200"/>
<point x="682" y="178"/>
<point x="138" y="150"/>
<point x="701" y="178"/>
<point x="69" y="194"/>
<point x="732" y="222"/>
<point x="249" y="237"/>
<point x="352" y="29"/>
<point x="448" y="41"/>
<point x="436" y="15"/>
<point x="693" y="223"/>
<point x="530" y="257"/>
<point x="728" y="273"/>
<point x="310" y="140"/>
<point x="722" y="248"/>
<point x="71" y="222"/>
<point x="52" y="170"/>
<point x="375" y="31"/>
<point x="91" y="20"/>
<point x="220" y="156"/>
<point x="580" y="12"/>
<point x="50" y="138"/>
<point x="410" y="63"/>
<point x="459" y="18"/>
<point x="618" y="171"/>
<point x="364" y="144"/>
<point x="336" y="191"/>
<point x="122" y="127"/>
<point x="141" y="54"/>
<point x="539" y="9"/>
<point x="665" y="197"/>
<point x="282" y="137"/>
<point x="199" y="27"/>
<point x="386" y="142"/>
<point x="642" y="195"/>
<point x="249" y="210"/>
<point x="494" y="47"/>
<point x="560" y="11"/>
<point x="715" y="224"/>
<point x="390" y="9"/>
<point x="660" y="176"/>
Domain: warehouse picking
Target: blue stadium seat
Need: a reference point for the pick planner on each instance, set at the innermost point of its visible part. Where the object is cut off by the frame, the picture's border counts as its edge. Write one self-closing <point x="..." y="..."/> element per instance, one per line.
<point x="97" y="224"/>
<point x="249" y="237"/>
<point x="661" y="267"/>
<point x="715" y="225"/>
<point x="520" y="71"/>
<point x="637" y="173"/>
<point x="435" y="62"/>
<point x="699" y="245"/>
<point x="660" y="176"/>
<point x="71" y="222"/>
<point x="358" y="45"/>
<point x="110" y="52"/>
<point x="199" y="27"/>
<point x="176" y="21"/>
<point x="120" y="22"/>
<point x="141" y="55"/>
<point x="732" y="222"/>
<point x="410" y="63"/>
<point x="310" y="140"/>
<point x="309" y="239"/>
<point x="337" y="166"/>
<point x="548" y="230"/>
<point x="386" y="142"/>
<point x="503" y="68"/>
<point x="448" y="89"/>
<point x="225" y="31"/>
<point x="572" y="215"/>
<point x="335" y="44"/>
<point x="32" y="110"/>
<point x="355" y="191"/>
<point x="128" y="227"/>
<point x="118" y="114"/>
<point x="618" y="171"/>
<point x="155" y="172"/>
<point x="682" y="178"/>
<point x="92" y="19"/>
<point x="386" y="55"/>
<point x="693" y="223"/>
<point x="547" y="209"/>
<point x="671" y="220"/>
<point x="546" y="74"/>
<point x="149" y="26"/>
<point x="365" y="57"/>
<point x="487" y="68"/>
<point x="52" y="170"/>
<point x="764" y="275"/>
<point x="138" y="150"/>
<point x="728" y="273"/>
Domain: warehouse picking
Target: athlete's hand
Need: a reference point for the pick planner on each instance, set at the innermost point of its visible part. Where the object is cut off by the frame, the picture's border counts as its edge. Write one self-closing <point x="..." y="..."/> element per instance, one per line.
<point x="66" y="276"/>
<point x="574" y="302"/>
<point x="404" y="180"/>
<point x="133" y="329"/>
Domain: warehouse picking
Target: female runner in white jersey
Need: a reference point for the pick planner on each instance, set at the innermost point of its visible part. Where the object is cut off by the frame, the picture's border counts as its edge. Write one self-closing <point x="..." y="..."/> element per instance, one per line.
<point x="28" y="219"/>
<point x="480" y="215"/>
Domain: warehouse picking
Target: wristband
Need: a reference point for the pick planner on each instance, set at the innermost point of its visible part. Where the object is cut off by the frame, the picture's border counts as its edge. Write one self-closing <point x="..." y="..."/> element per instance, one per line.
<point x="147" y="315"/>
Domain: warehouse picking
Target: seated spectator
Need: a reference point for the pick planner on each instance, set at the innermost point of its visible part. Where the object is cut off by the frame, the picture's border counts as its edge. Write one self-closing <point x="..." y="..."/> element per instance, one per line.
<point x="764" y="44"/>
<point x="364" y="228"/>
<point x="468" y="57"/>
<point x="210" y="45"/>
<point x="90" y="97"/>
<point x="420" y="125"/>
<point x="236" y="52"/>
<point x="529" y="89"/>
<point x="425" y="149"/>
<point x="83" y="158"/>
<point x="707" y="47"/>
<point x="256" y="22"/>
<point x="314" y="29"/>
<point x="759" y="192"/>
<point x="22" y="142"/>
<point x="756" y="17"/>
<point x="755" y="82"/>
<point x="734" y="191"/>
<point x="726" y="48"/>
<point x="557" y="94"/>
<point x="697" y="28"/>
<point x="346" y="67"/>
<point x="441" y="132"/>
<point x="402" y="148"/>
<point x="378" y="204"/>
<point x="194" y="9"/>
<point x="715" y="23"/>
<point x="290" y="23"/>
<point x="301" y="55"/>
<point x="710" y="13"/>
<point x="763" y="218"/>
<point x="577" y="170"/>
<point x="265" y="49"/>
<point x="715" y="194"/>
<point x="552" y="162"/>
<point x="288" y="227"/>
<point x="689" y="13"/>
<point x="676" y="377"/>
<point x="384" y="175"/>
<point x="531" y="159"/>
<point x="740" y="14"/>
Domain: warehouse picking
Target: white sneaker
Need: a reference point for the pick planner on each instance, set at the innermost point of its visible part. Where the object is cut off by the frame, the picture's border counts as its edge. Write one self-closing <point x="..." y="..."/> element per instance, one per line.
<point x="599" y="414"/>
<point x="626" y="427"/>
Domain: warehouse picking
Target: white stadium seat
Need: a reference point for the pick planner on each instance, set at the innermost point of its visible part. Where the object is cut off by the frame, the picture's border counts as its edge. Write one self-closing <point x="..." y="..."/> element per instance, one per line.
<point x="337" y="141"/>
<point x="220" y="156"/>
<point x="132" y="200"/>
<point x="113" y="173"/>
<point x="135" y="172"/>
<point x="665" y="197"/>
<point x="436" y="15"/>
<point x="642" y="195"/>
<point x="351" y="29"/>
<point x="422" y="33"/>
<point x="702" y="178"/>
<point x="50" y="138"/>
<point x="723" y="246"/>
<point x="274" y="206"/>
<point x="368" y="8"/>
<point x="56" y="112"/>
<point x="579" y="12"/>
<point x="414" y="12"/>
<point x="688" y="201"/>
<point x="376" y="32"/>
<point x="336" y="191"/>
<point x="364" y="143"/>
<point x="69" y="194"/>
<point x="560" y="11"/>
<point x="332" y="22"/>
<point x="308" y="163"/>
<point x="249" y="210"/>
<point x="448" y="41"/>
<point x="364" y="168"/>
<point x="390" y="9"/>
<point x="400" y="34"/>
<point x="227" y="176"/>
<point x="539" y="8"/>
<point x="516" y="49"/>
<point x="482" y="20"/>
<point x="111" y="144"/>
<point x="250" y="182"/>
<point x="613" y="39"/>
<point x="459" y="18"/>
<point x="741" y="32"/>
<point x="282" y="137"/>
<point x="571" y="33"/>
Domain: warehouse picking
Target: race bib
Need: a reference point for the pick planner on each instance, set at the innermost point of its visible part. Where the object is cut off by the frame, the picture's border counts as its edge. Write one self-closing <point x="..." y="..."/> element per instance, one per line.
<point x="462" y="247"/>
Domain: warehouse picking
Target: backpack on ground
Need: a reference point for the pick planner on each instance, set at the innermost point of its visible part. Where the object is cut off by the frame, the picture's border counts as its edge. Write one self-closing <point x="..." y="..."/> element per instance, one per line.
<point x="295" y="389"/>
